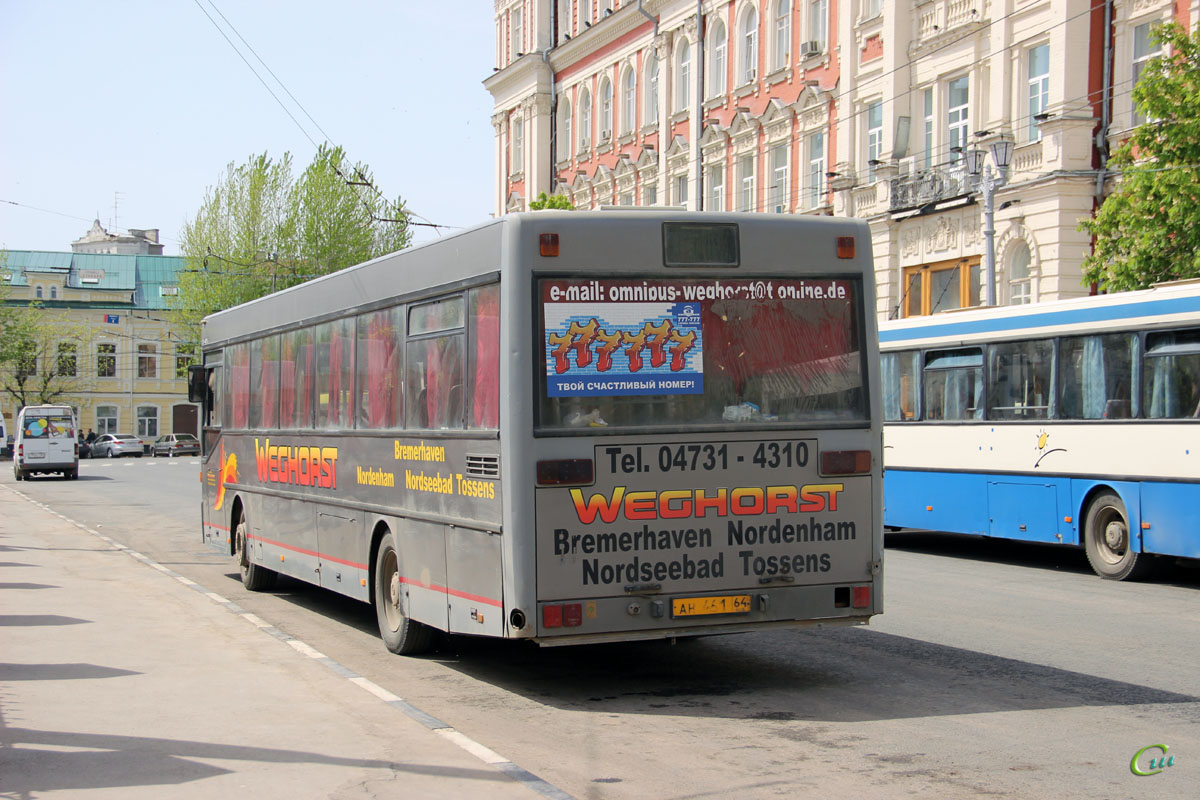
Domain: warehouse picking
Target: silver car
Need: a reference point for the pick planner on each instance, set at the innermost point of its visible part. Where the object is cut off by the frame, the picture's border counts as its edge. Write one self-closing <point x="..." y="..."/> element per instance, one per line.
<point x="115" y="445"/>
<point x="175" y="444"/>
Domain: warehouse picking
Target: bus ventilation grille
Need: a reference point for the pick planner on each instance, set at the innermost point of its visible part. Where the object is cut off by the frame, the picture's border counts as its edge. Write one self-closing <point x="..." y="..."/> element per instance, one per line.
<point x="483" y="466"/>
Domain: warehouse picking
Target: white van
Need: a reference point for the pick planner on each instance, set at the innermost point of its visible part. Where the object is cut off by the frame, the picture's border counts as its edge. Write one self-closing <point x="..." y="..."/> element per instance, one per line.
<point x="46" y="442"/>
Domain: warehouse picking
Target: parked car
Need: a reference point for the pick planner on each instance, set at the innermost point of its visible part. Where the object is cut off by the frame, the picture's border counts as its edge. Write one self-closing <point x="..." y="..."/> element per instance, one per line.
<point x="115" y="445"/>
<point x="175" y="444"/>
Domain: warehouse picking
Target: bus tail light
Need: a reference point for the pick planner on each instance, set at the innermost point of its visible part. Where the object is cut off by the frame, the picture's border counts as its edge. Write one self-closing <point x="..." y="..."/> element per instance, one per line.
<point x="562" y="615"/>
<point x="548" y="244"/>
<point x="845" y="246"/>
<point x="565" y="472"/>
<point x="845" y="462"/>
<point x="860" y="597"/>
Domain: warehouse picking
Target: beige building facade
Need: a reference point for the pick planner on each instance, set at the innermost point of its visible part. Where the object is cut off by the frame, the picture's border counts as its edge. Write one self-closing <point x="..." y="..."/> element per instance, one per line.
<point x="124" y="369"/>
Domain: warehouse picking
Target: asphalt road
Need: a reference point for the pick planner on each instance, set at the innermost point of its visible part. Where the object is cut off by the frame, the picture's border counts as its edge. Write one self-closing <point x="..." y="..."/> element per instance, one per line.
<point x="997" y="670"/>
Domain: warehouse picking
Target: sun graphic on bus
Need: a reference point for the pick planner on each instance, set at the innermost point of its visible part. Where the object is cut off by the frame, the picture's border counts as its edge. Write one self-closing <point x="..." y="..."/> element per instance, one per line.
<point x="228" y="475"/>
<point x="1043" y="438"/>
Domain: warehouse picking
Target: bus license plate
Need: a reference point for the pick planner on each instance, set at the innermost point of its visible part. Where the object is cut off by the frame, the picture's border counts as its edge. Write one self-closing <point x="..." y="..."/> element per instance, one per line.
<point x="707" y="606"/>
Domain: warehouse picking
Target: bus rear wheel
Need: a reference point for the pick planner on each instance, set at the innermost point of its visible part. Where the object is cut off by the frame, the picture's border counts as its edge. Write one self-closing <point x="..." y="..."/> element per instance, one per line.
<point x="256" y="578"/>
<point x="400" y="634"/>
<point x="1106" y="540"/>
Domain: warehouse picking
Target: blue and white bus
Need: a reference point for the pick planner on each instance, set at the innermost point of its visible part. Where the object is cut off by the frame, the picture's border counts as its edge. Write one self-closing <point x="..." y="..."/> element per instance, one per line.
<point x="1071" y="422"/>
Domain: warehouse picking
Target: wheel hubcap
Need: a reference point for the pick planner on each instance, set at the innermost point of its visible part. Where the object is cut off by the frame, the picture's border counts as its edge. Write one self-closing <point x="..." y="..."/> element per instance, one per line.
<point x="1114" y="536"/>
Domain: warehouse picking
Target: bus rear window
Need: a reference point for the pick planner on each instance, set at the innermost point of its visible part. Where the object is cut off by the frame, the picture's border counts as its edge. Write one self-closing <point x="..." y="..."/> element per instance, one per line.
<point x="653" y="353"/>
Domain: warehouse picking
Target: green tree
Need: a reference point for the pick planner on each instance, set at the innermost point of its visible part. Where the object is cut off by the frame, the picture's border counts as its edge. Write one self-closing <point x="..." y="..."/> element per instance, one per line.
<point x="1148" y="230"/>
<point x="41" y="354"/>
<point x="545" y="201"/>
<point x="261" y="230"/>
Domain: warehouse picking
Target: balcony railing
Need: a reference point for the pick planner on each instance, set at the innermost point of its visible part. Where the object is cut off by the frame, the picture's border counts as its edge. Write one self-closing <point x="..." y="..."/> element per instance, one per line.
<point x="929" y="186"/>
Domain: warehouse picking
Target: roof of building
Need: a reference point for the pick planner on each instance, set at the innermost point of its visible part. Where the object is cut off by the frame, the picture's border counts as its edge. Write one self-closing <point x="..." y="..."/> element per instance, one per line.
<point x="145" y="276"/>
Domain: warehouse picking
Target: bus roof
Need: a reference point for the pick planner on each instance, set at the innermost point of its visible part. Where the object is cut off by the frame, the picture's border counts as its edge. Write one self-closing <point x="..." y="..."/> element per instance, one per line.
<point x="1164" y="305"/>
<point x="468" y="255"/>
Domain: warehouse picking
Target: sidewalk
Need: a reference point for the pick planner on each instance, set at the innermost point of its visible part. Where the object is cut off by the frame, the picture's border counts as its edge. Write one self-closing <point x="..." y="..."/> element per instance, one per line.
<point x="118" y="681"/>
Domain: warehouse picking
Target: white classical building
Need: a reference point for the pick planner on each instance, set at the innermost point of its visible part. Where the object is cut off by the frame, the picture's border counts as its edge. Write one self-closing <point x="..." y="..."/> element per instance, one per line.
<point x="866" y="108"/>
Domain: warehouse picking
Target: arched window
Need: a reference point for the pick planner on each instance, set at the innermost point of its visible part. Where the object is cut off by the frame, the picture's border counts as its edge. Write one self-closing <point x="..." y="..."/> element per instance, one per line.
<point x="651" y="115"/>
<point x="683" y="76"/>
<point x="628" y="101"/>
<point x="585" y="119"/>
<point x="748" y="63"/>
<point x="1020" y="285"/>
<point x="37" y="292"/>
<point x="606" y="109"/>
<point x="783" y="34"/>
<point x="53" y="292"/>
<point x="718" y="66"/>
<point x="564" y="129"/>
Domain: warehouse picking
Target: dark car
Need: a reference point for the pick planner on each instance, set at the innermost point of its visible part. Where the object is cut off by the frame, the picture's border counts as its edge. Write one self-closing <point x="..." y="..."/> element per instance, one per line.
<point x="115" y="445"/>
<point x="85" y="447"/>
<point x="175" y="444"/>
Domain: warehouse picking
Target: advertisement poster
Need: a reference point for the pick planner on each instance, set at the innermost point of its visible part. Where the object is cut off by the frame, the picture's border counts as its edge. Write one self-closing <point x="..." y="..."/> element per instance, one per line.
<point x="625" y="338"/>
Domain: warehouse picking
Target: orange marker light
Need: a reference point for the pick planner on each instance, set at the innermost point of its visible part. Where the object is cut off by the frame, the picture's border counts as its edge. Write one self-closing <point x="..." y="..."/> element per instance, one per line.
<point x="845" y="246"/>
<point x="548" y="244"/>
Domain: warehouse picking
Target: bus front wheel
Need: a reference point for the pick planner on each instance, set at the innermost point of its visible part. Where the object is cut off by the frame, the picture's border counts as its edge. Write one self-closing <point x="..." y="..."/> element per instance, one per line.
<point x="400" y="634"/>
<point x="1110" y="549"/>
<point x="256" y="578"/>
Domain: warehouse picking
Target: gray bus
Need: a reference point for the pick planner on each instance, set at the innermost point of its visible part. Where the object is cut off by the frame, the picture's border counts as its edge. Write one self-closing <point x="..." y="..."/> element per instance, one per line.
<point x="568" y="427"/>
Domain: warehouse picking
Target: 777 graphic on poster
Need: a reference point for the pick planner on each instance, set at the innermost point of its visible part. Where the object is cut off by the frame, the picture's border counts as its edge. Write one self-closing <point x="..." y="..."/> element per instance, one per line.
<point x="609" y="349"/>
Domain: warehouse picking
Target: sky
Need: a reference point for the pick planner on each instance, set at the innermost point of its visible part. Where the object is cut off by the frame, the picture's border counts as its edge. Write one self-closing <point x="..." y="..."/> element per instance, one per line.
<point x="130" y="111"/>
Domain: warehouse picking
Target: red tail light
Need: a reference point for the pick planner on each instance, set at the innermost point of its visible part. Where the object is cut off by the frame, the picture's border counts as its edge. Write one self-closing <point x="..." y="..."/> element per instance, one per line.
<point x="552" y="616"/>
<point x="565" y="472"/>
<point x="860" y="597"/>
<point x="845" y="462"/>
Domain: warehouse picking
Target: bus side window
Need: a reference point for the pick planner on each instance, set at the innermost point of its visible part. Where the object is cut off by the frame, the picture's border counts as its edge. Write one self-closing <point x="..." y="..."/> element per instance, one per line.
<point x="484" y="382"/>
<point x="1096" y="373"/>
<point x="953" y="384"/>
<point x="899" y="372"/>
<point x="1171" y="380"/>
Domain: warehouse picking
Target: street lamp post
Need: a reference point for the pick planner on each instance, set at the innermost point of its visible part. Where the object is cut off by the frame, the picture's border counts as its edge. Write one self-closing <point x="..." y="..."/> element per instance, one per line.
<point x="989" y="182"/>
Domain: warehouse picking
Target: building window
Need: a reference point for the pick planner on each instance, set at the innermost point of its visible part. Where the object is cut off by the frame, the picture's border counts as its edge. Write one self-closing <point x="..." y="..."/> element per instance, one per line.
<point x="683" y="80"/>
<point x="147" y="361"/>
<point x="628" y="101"/>
<point x="957" y="118"/>
<point x="652" y="90"/>
<point x="67" y="365"/>
<point x="931" y="288"/>
<point x="147" y="421"/>
<point x="818" y="22"/>
<point x="783" y="34"/>
<point x="873" y="8"/>
<point x="37" y="292"/>
<point x="585" y="120"/>
<point x="650" y="195"/>
<point x="26" y="365"/>
<point x="927" y="102"/>
<point x="53" y="292"/>
<point x="518" y="145"/>
<point x="106" y="361"/>
<point x="746" y="200"/>
<point x="681" y="190"/>
<point x="1144" y="49"/>
<point x="518" y="38"/>
<point x="717" y="66"/>
<point x="716" y="187"/>
<point x="106" y="420"/>
<point x="606" y="109"/>
<point x="816" y="169"/>
<point x="564" y="19"/>
<point x="185" y="356"/>
<point x="564" y="142"/>
<point x="779" y="179"/>
<point x="749" y="45"/>
<point x="874" y="136"/>
<point x="1020" y="289"/>
<point x="1039" y="87"/>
